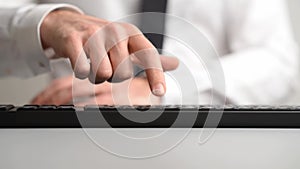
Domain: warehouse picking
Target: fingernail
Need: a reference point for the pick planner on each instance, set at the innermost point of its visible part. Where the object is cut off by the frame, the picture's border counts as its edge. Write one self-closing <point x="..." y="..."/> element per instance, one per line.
<point x="158" y="90"/>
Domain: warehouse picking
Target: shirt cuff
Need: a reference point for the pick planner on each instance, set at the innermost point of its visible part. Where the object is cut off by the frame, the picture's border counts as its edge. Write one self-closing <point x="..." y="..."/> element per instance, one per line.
<point x="26" y="32"/>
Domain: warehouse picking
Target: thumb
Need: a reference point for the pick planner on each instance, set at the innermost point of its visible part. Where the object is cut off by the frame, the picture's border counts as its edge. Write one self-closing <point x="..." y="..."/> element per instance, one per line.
<point x="169" y="63"/>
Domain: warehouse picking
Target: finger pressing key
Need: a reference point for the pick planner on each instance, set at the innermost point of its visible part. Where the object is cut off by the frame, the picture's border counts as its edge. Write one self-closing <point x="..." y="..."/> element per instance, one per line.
<point x="149" y="59"/>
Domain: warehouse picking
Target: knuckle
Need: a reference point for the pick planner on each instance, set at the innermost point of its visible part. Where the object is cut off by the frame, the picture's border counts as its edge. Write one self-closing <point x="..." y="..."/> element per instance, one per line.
<point x="116" y="34"/>
<point x="70" y="37"/>
<point x="129" y="25"/>
<point x="114" y="27"/>
<point x="82" y="72"/>
<point x="131" y="28"/>
<point x="92" y="29"/>
<point x="104" y="74"/>
<point x="117" y="30"/>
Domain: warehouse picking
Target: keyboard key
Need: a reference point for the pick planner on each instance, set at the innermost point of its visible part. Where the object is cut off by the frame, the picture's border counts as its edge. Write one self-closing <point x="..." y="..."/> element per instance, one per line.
<point x="100" y="107"/>
<point x="29" y="107"/>
<point x="142" y="108"/>
<point x="91" y="107"/>
<point x="6" y="107"/>
<point x="47" y="107"/>
<point x="66" y="107"/>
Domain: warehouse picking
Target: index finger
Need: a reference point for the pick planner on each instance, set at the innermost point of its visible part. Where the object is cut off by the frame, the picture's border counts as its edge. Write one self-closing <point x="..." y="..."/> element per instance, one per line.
<point x="149" y="57"/>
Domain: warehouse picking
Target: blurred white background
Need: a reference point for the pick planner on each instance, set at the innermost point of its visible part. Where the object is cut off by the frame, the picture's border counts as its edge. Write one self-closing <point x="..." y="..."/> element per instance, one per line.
<point x="20" y="91"/>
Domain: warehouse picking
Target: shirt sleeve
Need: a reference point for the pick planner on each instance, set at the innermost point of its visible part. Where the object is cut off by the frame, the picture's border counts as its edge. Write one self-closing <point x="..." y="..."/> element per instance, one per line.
<point x="263" y="63"/>
<point x="21" y="51"/>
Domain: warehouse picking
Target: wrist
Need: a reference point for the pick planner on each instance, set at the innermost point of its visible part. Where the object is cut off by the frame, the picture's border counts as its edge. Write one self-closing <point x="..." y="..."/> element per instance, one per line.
<point x="50" y="26"/>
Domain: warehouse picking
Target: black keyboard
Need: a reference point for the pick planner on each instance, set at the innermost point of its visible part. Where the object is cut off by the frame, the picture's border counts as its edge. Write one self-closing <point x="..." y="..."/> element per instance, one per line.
<point x="68" y="116"/>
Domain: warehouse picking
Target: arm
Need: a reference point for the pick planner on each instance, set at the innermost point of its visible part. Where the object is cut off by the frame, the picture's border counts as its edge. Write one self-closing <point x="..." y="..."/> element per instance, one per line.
<point x="20" y="44"/>
<point x="263" y="64"/>
<point x="97" y="49"/>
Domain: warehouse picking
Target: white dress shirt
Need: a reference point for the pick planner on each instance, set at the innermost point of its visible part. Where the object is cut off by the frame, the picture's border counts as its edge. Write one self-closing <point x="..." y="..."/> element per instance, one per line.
<point x="253" y="38"/>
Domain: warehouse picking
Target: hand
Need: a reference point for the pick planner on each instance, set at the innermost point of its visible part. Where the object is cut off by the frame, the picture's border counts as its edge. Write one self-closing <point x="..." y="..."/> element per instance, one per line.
<point x="111" y="48"/>
<point x="66" y="89"/>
